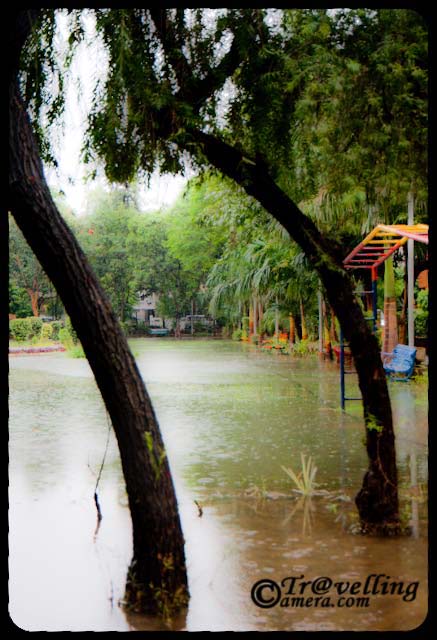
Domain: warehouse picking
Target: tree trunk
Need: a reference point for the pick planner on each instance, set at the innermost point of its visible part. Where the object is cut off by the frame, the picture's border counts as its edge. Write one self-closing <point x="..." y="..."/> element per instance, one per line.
<point x="250" y="320"/>
<point x="34" y="296"/>
<point x="276" y="320"/>
<point x="292" y="329"/>
<point x="332" y="330"/>
<point x="303" y="322"/>
<point x="177" y="331"/>
<point x="326" y="333"/>
<point x="377" y="501"/>
<point x="157" y="577"/>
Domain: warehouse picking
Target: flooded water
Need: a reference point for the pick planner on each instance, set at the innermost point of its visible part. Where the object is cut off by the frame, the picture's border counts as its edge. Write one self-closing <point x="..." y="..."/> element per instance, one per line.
<point x="231" y="418"/>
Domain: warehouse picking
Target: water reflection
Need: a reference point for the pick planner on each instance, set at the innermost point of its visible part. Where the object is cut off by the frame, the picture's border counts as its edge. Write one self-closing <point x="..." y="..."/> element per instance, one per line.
<point x="230" y="419"/>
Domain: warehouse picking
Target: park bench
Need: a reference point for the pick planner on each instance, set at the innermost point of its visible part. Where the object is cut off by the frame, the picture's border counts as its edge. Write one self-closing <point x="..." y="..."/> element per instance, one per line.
<point x="159" y="332"/>
<point x="399" y="364"/>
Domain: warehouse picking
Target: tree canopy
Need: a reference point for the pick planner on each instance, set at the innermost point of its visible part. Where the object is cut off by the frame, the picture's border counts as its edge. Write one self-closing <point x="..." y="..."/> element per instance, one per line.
<point x="328" y="99"/>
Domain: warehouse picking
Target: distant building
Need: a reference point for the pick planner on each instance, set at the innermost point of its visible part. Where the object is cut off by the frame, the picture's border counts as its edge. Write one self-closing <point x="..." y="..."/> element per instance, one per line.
<point x="145" y="309"/>
<point x="145" y="312"/>
<point x="202" y="320"/>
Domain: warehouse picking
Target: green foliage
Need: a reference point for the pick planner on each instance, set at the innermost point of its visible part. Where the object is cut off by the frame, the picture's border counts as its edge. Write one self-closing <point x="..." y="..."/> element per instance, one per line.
<point x="36" y="325"/>
<point x="65" y="338"/>
<point x="71" y="332"/>
<point x="46" y="331"/>
<point x="25" y="275"/>
<point x="19" y="329"/>
<point x="104" y="234"/>
<point x="22" y="329"/>
<point x="19" y="303"/>
<point x="303" y="348"/>
<point x="389" y="278"/>
<point x="420" y="376"/>
<point x="76" y="351"/>
<point x="128" y="327"/>
<point x="68" y="336"/>
<point x="156" y="460"/>
<point x="330" y="100"/>
<point x="421" y="313"/>
<point x="237" y="334"/>
<point x="373" y="425"/>
<point x="56" y="327"/>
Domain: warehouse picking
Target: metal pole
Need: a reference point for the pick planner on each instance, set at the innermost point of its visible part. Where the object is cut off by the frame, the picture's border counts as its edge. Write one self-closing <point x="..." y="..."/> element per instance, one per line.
<point x="410" y="274"/>
<point x="319" y="297"/>
<point x="374" y="297"/>
<point x="342" y="390"/>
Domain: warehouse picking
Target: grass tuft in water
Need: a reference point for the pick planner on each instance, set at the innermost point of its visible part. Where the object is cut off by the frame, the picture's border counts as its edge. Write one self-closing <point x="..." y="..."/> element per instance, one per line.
<point x="305" y="479"/>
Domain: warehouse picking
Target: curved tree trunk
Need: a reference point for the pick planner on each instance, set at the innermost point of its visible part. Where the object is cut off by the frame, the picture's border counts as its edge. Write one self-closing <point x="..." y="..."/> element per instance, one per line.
<point x="157" y="579"/>
<point x="377" y="501"/>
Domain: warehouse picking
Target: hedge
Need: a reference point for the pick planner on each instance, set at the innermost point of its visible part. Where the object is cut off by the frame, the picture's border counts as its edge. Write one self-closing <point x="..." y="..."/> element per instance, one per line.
<point x="21" y="329"/>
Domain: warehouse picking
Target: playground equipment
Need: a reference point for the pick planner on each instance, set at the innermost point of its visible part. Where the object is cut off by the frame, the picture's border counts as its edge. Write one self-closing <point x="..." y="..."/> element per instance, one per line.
<point x="370" y="253"/>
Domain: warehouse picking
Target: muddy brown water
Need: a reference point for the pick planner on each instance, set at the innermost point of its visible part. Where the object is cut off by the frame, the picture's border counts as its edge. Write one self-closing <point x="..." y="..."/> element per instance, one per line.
<point x="231" y="418"/>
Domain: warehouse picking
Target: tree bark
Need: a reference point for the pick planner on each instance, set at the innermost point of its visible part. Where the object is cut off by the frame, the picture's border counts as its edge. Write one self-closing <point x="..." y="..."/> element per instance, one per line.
<point x="333" y="332"/>
<point x="157" y="580"/>
<point x="377" y="501"/>
<point x="303" y="322"/>
<point x="292" y="329"/>
<point x="34" y="297"/>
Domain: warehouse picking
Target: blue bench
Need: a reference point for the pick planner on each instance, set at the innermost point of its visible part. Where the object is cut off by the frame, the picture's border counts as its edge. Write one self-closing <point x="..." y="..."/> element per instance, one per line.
<point x="400" y="363"/>
<point x="159" y="332"/>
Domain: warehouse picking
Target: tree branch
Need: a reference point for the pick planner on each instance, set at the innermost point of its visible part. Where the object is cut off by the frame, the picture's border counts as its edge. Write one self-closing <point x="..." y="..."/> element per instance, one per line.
<point x="253" y="176"/>
<point x="22" y="21"/>
<point x="193" y="90"/>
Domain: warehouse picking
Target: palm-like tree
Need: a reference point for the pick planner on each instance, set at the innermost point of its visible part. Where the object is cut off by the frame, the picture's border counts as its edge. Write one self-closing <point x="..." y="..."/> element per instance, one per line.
<point x="269" y="275"/>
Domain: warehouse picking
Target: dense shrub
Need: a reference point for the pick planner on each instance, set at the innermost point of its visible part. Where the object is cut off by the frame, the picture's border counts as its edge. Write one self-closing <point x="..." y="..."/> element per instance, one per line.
<point x="46" y="331"/>
<point x="421" y="314"/>
<point x="35" y="327"/>
<point x="71" y="331"/>
<point x="65" y="337"/>
<point x="129" y="327"/>
<point x="19" y="329"/>
<point x="304" y="348"/>
<point x="22" y="329"/>
<point x="56" y="327"/>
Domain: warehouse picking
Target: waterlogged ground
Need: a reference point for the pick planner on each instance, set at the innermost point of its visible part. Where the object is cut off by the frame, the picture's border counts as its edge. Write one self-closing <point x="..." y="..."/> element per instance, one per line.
<point x="231" y="417"/>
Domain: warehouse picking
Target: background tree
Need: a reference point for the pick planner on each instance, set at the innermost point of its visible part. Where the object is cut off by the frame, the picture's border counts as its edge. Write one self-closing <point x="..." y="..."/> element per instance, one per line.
<point x="25" y="276"/>
<point x="104" y="236"/>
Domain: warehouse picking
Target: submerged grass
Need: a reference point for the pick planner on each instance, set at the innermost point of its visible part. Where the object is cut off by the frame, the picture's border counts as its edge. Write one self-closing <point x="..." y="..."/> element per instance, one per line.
<point x="305" y="479"/>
